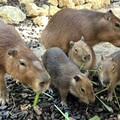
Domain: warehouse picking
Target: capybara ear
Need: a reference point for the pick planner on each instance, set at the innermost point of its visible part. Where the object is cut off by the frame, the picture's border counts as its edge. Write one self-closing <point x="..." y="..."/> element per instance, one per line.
<point x="71" y="44"/>
<point x="12" y="52"/>
<point x="77" y="78"/>
<point x="108" y="15"/>
<point x="82" y="38"/>
<point x="86" y="73"/>
<point x="38" y="65"/>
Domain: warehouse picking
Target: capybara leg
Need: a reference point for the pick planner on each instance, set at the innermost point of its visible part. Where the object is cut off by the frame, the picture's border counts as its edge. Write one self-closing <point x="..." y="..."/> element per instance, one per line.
<point x="3" y="91"/>
<point x="111" y="88"/>
<point x="63" y="95"/>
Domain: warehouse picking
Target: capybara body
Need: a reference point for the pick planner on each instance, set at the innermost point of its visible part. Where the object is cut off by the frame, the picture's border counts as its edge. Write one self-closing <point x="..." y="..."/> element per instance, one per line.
<point x="66" y="77"/>
<point x="109" y="72"/>
<point x="81" y="54"/>
<point x="69" y="24"/>
<point x="20" y="62"/>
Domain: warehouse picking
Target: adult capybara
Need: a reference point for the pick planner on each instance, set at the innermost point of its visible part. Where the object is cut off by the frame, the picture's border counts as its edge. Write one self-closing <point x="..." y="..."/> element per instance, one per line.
<point x="109" y="72"/>
<point x="81" y="54"/>
<point x="69" y="24"/>
<point x="66" y="76"/>
<point x="20" y="62"/>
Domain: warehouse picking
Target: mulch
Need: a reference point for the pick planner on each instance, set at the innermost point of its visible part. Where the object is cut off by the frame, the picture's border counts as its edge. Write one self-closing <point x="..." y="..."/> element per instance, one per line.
<point x="20" y="106"/>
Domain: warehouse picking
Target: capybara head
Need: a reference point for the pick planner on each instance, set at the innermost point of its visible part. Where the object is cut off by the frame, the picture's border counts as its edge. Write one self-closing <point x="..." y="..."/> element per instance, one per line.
<point x="107" y="71"/>
<point x="82" y="88"/>
<point x="26" y="67"/>
<point x="80" y="53"/>
<point x="111" y="29"/>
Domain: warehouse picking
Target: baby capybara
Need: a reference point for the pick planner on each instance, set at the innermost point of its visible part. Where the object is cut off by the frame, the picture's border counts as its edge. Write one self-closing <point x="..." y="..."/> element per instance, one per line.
<point x="69" y="24"/>
<point x="81" y="54"/>
<point x="109" y="72"/>
<point x="66" y="77"/>
<point x="20" y="62"/>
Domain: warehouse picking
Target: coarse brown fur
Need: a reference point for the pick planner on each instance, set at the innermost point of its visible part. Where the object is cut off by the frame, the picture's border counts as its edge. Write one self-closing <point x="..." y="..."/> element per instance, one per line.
<point x="109" y="72"/>
<point x="69" y="24"/>
<point x="81" y="54"/>
<point x="66" y="76"/>
<point x="20" y="62"/>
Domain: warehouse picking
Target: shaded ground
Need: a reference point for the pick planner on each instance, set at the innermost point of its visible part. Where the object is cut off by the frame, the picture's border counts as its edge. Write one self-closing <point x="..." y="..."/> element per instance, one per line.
<point x="21" y="98"/>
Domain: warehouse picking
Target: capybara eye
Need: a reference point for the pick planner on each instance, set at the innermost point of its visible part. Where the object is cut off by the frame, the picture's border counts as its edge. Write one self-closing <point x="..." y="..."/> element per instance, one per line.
<point x="113" y="68"/>
<point x="100" y="68"/>
<point x="82" y="90"/>
<point x="22" y="63"/>
<point x="117" y="24"/>
<point x="75" y="49"/>
<point x="42" y="84"/>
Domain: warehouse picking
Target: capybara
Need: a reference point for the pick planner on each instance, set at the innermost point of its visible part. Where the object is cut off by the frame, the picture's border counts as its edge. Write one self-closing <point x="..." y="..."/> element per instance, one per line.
<point x="81" y="54"/>
<point x="70" y="24"/>
<point x="66" y="77"/>
<point x="109" y="72"/>
<point x="20" y="62"/>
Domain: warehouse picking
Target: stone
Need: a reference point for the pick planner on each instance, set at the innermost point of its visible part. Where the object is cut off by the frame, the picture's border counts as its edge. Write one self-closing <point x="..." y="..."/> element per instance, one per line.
<point x="85" y="6"/>
<point x="116" y="11"/>
<point x="33" y="10"/>
<point x="3" y="1"/>
<point x="53" y="10"/>
<point x="53" y="2"/>
<point x="11" y="14"/>
<point x="99" y="3"/>
<point x="66" y="3"/>
<point x="26" y="1"/>
<point x="41" y="20"/>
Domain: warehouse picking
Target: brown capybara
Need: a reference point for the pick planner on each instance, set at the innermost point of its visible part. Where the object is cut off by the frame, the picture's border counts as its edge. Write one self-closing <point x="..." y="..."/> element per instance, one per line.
<point x="20" y="62"/>
<point x="81" y="54"/>
<point x="69" y="24"/>
<point x="66" y="77"/>
<point x="109" y="72"/>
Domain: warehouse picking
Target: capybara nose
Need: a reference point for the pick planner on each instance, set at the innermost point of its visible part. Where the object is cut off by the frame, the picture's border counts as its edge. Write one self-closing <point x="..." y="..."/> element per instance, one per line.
<point x="86" y="57"/>
<point x="106" y="82"/>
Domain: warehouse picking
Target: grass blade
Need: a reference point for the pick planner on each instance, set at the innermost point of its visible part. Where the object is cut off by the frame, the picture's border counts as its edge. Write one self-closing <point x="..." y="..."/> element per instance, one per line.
<point x="36" y="99"/>
<point x="106" y="106"/>
<point x="117" y="99"/>
<point x="95" y="118"/>
<point x="66" y="117"/>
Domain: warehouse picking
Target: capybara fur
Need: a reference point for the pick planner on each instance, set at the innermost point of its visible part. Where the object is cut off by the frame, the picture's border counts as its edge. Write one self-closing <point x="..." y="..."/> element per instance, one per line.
<point x="81" y="54"/>
<point x="109" y="72"/>
<point x="66" y="76"/>
<point x="20" y="62"/>
<point x="70" y="24"/>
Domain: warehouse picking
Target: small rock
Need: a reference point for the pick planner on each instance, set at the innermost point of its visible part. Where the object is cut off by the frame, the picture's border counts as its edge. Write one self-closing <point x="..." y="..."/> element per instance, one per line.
<point x="3" y="1"/>
<point x="53" y="2"/>
<point x="53" y="10"/>
<point x="85" y="6"/>
<point x="25" y="107"/>
<point x="66" y="3"/>
<point x="3" y="107"/>
<point x="38" y="110"/>
<point x="118" y="116"/>
<point x="11" y="14"/>
<point x="26" y="1"/>
<point x="33" y="10"/>
<point x="41" y="20"/>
